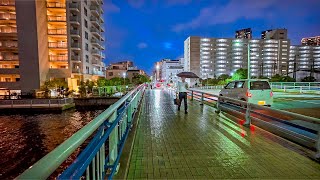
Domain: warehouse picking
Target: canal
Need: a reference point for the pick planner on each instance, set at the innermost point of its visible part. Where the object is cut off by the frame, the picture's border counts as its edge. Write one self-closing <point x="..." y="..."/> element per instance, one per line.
<point x="24" y="139"/>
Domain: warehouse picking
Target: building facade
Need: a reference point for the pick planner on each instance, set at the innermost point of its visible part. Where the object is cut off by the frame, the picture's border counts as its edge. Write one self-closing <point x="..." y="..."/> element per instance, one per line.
<point x="192" y="54"/>
<point x="311" y="41"/>
<point x="52" y="43"/>
<point x="304" y="59"/>
<point x="244" y="33"/>
<point x="225" y="55"/>
<point x="170" y="69"/>
<point x="131" y="73"/>
<point x="275" y="34"/>
<point x="118" y="69"/>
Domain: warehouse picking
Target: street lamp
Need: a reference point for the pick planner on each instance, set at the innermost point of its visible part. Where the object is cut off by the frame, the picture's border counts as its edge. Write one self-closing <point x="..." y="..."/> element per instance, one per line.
<point x="124" y="78"/>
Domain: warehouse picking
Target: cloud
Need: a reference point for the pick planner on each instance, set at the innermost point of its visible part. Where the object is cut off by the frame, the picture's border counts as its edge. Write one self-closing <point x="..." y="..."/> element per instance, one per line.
<point x="234" y="10"/>
<point x="142" y="45"/>
<point x="109" y="7"/>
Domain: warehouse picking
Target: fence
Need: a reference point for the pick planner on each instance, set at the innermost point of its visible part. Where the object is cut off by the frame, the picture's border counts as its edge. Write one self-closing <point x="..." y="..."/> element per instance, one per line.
<point x="35" y="102"/>
<point x="109" y="131"/>
<point x="298" y="128"/>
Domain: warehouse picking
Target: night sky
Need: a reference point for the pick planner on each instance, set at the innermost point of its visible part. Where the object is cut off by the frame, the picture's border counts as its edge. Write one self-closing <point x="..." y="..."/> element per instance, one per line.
<point x="147" y="31"/>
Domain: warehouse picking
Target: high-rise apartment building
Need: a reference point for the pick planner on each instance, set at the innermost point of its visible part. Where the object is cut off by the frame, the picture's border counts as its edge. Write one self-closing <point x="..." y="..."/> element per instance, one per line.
<point x="225" y="55"/>
<point x="311" y="41"/>
<point x="275" y="34"/>
<point x="192" y="54"/>
<point x="43" y="40"/>
<point x="244" y="33"/>
<point x="304" y="58"/>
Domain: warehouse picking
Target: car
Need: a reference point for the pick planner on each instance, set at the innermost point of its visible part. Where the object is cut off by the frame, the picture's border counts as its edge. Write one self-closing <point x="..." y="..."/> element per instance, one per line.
<point x="255" y="91"/>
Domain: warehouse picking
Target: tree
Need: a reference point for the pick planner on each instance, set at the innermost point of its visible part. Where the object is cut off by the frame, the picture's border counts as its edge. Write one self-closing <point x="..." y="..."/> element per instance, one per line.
<point x="223" y="77"/>
<point x="101" y="82"/>
<point x="280" y="78"/>
<point x="57" y="84"/>
<point x="240" y="74"/>
<point x="82" y="89"/>
<point x="308" y="79"/>
<point x="139" y="79"/>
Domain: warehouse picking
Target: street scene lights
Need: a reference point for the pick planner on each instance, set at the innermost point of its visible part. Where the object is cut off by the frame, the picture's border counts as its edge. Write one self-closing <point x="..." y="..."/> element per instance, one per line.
<point x="124" y="78"/>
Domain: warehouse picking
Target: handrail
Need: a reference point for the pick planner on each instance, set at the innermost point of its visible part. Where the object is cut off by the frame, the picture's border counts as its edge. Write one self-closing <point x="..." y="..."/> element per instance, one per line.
<point x="49" y="163"/>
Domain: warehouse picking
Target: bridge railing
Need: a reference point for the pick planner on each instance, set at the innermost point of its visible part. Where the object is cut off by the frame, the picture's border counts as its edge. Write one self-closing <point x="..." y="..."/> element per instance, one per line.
<point x="35" y="102"/>
<point x="105" y="135"/>
<point x="298" y="128"/>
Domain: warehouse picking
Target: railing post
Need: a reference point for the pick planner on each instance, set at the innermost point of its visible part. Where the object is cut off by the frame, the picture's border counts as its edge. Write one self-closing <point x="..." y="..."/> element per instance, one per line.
<point x="284" y="88"/>
<point x="191" y="95"/>
<point x="113" y="142"/>
<point x="218" y="106"/>
<point x="318" y="147"/>
<point x="201" y="99"/>
<point x="248" y="118"/>
<point x="300" y="89"/>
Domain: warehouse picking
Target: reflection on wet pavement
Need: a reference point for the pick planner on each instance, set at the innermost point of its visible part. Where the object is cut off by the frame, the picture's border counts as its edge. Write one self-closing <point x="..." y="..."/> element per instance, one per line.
<point x="171" y="144"/>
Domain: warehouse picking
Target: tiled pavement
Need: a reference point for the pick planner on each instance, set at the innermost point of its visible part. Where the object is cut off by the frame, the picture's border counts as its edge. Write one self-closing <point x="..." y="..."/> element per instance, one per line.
<point x="201" y="145"/>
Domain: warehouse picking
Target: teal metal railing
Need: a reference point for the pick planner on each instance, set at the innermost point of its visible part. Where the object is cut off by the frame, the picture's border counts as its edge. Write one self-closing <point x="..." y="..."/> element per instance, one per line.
<point x="100" y="158"/>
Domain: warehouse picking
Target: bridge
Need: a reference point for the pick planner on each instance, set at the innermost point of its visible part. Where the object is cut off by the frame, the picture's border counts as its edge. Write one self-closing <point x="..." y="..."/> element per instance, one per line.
<point x="215" y="139"/>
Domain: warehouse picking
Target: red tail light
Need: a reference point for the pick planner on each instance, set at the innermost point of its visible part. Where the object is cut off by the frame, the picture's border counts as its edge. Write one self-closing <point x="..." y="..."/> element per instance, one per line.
<point x="248" y="94"/>
<point x="271" y="94"/>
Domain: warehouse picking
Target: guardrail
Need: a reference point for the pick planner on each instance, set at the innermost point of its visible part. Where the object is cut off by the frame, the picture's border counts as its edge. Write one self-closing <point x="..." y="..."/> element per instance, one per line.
<point x="106" y="132"/>
<point x="298" y="128"/>
<point x="35" y="102"/>
<point x="212" y="87"/>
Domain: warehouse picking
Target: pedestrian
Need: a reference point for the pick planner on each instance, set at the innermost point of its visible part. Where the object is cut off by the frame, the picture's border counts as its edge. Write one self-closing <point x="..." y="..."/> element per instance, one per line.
<point x="182" y="94"/>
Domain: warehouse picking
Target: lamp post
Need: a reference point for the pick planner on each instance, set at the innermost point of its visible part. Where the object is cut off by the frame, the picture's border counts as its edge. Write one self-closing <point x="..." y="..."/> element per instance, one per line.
<point x="124" y="78"/>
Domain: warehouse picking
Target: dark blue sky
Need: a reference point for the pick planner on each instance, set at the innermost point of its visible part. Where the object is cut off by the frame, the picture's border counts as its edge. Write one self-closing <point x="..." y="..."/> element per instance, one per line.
<point x="147" y="31"/>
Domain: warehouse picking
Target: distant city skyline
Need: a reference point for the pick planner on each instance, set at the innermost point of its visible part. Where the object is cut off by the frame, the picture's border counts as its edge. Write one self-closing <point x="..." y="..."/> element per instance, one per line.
<point x="148" y="31"/>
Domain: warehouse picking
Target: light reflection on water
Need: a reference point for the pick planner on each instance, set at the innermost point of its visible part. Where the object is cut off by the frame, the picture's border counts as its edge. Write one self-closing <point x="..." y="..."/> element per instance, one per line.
<point x="24" y="139"/>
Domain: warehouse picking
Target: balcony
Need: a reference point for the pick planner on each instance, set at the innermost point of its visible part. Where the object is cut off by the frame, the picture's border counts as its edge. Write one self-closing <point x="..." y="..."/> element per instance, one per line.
<point x="95" y="32"/>
<point x="58" y="58"/>
<point x="75" y="46"/>
<point x="103" y="56"/>
<point x="95" y="10"/>
<point x="96" y="42"/>
<point x="57" y="31"/>
<point x="9" y="58"/>
<point x="95" y="21"/>
<point x="99" y="73"/>
<point x="8" y="31"/>
<point x="57" y="18"/>
<point x="59" y="73"/>
<point x="56" y="5"/>
<point x="9" y="71"/>
<point x="7" y="16"/>
<point x="95" y="2"/>
<point x="96" y="52"/>
<point x="75" y="33"/>
<point x="76" y="71"/>
<point x="74" y="7"/>
<point x="58" y="45"/>
<point x="102" y="28"/>
<point x="74" y="20"/>
<point x="102" y="38"/>
<point x="101" y="18"/>
<point x="9" y="45"/>
<point x="7" y="3"/>
<point x="75" y="58"/>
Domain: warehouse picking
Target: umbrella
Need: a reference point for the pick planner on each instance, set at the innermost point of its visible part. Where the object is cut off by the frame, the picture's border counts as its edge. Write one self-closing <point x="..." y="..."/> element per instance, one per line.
<point x="187" y="75"/>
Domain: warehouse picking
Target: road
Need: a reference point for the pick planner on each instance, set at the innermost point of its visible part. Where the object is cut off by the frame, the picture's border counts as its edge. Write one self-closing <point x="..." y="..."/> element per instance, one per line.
<point x="306" y="104"/>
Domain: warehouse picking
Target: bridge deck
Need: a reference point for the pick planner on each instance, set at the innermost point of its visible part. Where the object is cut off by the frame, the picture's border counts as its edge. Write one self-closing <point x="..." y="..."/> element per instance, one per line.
<point x="171" y="144"/>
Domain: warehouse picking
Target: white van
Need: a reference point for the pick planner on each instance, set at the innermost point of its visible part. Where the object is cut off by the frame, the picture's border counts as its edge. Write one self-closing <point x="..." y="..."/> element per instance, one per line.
<point x="255" y="91"/>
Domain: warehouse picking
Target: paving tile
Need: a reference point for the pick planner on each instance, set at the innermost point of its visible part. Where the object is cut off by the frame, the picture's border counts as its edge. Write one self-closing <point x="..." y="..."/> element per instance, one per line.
<point x="202" y="145"/>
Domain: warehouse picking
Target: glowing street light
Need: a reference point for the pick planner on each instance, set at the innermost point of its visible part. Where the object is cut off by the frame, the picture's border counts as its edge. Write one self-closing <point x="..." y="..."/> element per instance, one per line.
<point x="124" y="78"/>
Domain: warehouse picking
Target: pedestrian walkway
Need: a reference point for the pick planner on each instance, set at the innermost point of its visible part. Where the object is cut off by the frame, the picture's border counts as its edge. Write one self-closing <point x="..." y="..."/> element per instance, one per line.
<point x="202" y="145"/>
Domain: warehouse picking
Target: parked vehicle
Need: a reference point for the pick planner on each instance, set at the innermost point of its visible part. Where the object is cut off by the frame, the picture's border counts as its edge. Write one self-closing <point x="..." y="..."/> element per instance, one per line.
<point x="256" y="91"/>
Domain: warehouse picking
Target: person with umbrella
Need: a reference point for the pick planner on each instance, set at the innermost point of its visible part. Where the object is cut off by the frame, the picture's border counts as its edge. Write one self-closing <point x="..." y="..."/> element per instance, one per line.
<point x="182" y="89"/>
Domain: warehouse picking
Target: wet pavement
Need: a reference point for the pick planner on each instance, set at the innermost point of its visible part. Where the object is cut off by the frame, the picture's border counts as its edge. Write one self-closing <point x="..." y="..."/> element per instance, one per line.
<point x="201" y="145"/>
